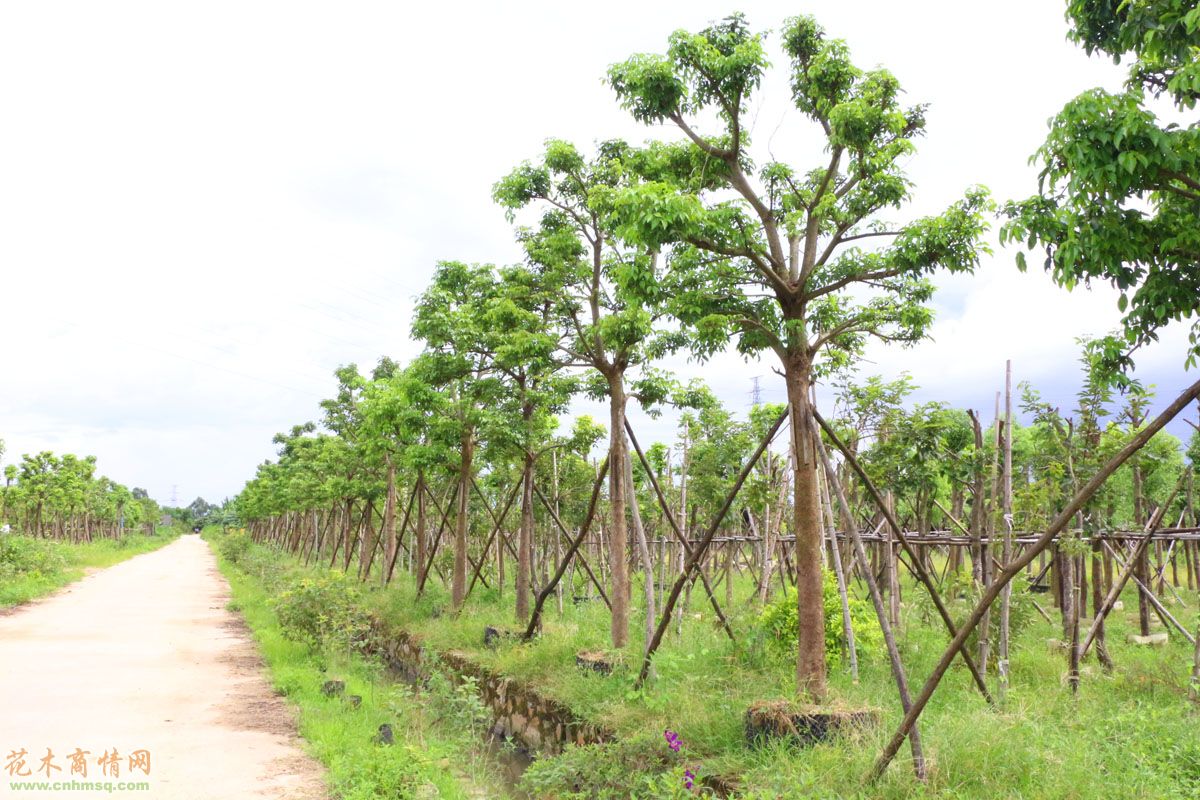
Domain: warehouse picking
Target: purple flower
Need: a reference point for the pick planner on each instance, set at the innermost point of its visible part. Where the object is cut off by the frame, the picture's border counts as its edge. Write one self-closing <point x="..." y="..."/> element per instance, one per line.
<point x="689" y="779"/>
<point x="672" y="740"/>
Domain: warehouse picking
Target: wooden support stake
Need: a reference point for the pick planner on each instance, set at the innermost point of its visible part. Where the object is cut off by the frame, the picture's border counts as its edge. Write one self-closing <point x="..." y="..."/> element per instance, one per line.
<point x="693" y="560"/>
<point x="918" y="568"/>
<point x="535" y="618"/>
<point x="1012" y="570"/>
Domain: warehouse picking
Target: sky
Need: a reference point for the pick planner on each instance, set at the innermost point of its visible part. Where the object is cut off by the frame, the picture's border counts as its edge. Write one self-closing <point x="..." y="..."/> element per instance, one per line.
<point x="205" y="208"/>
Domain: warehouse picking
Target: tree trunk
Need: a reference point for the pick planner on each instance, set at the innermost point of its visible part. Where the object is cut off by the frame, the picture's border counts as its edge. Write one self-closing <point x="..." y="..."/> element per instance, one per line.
<point x="1007" y="554"/>
<point x="644" y="552"/>
<point x="389" y="524"/>
<point x="618" y="562"/>
<point x="1098" y="591"/>
<point x="1142" y="571"/>
<point x="421" y="537"/>
<point x="458" y="583"/>
<point x="806" y="510"/>
<point x="370" y="541"/>
<point x="525" y="542"/>
<point x="1194" y="689"/>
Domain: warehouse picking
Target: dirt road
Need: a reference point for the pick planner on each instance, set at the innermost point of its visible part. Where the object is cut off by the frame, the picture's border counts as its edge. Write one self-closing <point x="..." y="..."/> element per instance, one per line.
<point x="144" y="656"/>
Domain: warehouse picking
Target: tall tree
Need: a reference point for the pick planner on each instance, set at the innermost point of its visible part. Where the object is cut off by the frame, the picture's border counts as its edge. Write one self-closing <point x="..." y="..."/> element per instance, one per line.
<point x="522" y="332"/>
<point x="450" y="318"/>
<point x="610" y="302"/>
<point x="775" y="256"/>
<point x="398" y="407"/>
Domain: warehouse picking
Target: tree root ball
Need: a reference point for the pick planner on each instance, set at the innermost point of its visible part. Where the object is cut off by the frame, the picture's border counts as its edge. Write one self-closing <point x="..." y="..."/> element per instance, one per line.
<point x="492" y="636"/>
<point x="594" y="661"/>
<point x="803" y="725"/>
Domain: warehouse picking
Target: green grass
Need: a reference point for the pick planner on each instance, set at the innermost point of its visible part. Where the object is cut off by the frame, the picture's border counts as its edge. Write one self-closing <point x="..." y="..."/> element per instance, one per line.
<point x="439" y="751"/>
<point x="46" y="565"/>
<point x="1131" y="734"/>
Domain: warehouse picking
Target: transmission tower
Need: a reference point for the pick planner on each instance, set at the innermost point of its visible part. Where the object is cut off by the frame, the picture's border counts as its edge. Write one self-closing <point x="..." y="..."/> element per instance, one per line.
<point x="756" y="392"/>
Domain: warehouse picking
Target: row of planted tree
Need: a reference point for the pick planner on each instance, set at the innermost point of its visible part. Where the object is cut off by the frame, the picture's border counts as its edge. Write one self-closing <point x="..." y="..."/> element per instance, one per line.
<point x="453" y="468"/>
<point x="62" y="497"/>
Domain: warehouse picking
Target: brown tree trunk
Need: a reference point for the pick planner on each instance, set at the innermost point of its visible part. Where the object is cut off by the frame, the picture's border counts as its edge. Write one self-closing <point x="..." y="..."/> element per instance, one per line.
<point x="806" y="510"/>
<point x="1098" y="592"/>
<point x="525" y="542"/>
<point x="643" y="551"/>
<point x="389" y="523"/>
<point x="618" y="561"/>
<point x="458" y="582"/>
<point x="1142" y="571"/>
<point x="370" y="541"/>
<point x="421" y="537"/>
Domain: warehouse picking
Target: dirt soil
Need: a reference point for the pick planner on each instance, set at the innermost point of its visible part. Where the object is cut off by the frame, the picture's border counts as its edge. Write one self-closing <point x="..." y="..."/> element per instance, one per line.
<point x="145" y="656"/>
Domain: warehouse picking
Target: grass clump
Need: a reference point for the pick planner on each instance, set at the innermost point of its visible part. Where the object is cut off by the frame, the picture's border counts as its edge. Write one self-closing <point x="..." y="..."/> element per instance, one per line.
<point x="641" y="766"/>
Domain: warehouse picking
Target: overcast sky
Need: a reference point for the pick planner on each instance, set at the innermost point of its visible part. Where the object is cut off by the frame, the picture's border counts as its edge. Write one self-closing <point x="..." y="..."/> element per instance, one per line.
<point x="205" y="208"/>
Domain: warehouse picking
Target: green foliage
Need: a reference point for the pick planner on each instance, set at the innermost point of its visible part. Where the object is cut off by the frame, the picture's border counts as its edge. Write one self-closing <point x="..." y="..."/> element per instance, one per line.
<point x="457" y="701"/>
<point x="376" y="773"/>
<point x="235" y="546"/>
<point x="24" y="555"/>
<point x="1119" y="191"/>
<point x="778" y="626"/>
<point x="772" y="268"/>
<point x="323" y="610"/>
<point x="630" y="767"/>
<point x="1021" y="613"/>
<point x="45" y="492"/>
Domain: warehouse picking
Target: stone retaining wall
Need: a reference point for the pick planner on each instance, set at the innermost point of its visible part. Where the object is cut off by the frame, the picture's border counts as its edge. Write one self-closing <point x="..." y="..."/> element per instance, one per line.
<point x="534" y="722"/>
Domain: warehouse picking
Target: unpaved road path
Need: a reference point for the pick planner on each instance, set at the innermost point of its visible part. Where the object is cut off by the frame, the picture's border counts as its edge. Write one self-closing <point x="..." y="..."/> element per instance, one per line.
<point x="145" y="656"/>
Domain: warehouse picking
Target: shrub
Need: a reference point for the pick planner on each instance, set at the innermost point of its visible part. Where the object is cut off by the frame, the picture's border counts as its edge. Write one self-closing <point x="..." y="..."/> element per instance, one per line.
<point x="325" y="610"/>
<point x="778" y="622"/>
<point x="626" y="768"/>
<point x="235" y="546"/>
<point x="458" y="701"/>
<point x="23" y="555"/>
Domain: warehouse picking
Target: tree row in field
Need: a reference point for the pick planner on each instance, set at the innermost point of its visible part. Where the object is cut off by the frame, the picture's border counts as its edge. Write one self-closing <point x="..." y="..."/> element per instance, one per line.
<point x="705" y="243"/>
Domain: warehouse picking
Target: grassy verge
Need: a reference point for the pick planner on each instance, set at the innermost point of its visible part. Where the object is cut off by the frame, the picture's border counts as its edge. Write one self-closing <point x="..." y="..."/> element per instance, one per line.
<point x="439" y="750"/>
<point x="31" y="568"/>
<point x="1130" y="733"/>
